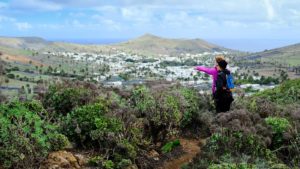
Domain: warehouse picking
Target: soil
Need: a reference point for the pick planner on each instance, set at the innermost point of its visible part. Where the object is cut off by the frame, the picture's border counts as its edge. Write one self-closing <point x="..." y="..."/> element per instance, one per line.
<point x="190" y="148"/>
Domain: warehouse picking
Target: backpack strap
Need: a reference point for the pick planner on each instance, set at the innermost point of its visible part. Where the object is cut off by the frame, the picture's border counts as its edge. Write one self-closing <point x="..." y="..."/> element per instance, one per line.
<point x="221" y="82"/>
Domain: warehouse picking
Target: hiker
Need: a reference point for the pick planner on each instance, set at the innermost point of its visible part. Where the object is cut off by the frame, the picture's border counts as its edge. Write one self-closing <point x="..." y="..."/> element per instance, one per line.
<point x="221" y="93"/>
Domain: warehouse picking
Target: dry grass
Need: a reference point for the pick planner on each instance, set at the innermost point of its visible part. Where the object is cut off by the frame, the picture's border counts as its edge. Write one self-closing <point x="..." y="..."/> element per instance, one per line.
<point x="20" y="59"/>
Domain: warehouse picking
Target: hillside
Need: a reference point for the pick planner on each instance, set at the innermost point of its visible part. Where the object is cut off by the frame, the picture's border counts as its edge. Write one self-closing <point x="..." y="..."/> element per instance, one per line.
<point x="147" y="45"/>
<point x="84" y="125"/>
<point x="35" y="43"/>
<point x="288" y="54"/>
<point x="152" y="44"/>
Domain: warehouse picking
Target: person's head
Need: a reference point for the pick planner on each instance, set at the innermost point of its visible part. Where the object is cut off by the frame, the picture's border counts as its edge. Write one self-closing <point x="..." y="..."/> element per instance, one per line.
<point x="219" y="58"/>
<point x="222" y="64"/>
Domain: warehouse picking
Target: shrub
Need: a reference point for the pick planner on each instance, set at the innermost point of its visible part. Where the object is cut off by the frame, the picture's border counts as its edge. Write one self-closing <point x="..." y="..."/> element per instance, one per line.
<point x="63" y="99"/>
<point x="10" y="76"/>
<point x="232" y="166"/>
<point x="124" y="163"/>
<point x="95" y="161"/>
<point x="108" y="164"/>
<point x="58" y="141"/>
<point x="261" y="106"/>
<point x="287" y="93"/>
<point x="150" y="108"/>
<point x="278" y="124"/>
<point x="237" y="133"/>
<point x="25" y="138"/>
<point x="142" y="100"/>
<point x="294" y="152"/>
<point x="83" y="123"/>
<point x="170" y="146"/>
<point x="107" y="130"/>
<point x="168" y="109"/>
<point x="197" y="116"/>
<point x="126" y="149"/>
<point x="37" y="107"/>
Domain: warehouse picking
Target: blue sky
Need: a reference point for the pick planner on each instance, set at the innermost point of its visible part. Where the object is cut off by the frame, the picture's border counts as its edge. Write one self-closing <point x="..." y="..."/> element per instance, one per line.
<point x="123" y="19"/>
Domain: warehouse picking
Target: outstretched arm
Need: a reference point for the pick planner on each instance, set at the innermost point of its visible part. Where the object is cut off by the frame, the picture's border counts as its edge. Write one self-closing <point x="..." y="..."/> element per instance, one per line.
<point x="208" y="70"/>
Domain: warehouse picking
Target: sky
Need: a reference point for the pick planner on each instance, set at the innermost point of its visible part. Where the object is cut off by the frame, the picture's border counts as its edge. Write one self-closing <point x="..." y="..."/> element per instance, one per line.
<point x="215" y="20"/>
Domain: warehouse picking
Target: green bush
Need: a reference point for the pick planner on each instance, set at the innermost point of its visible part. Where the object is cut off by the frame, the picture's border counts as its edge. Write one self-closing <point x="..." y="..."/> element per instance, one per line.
<point x="25" y="138"/>
<point x="95" y="161"/>
<point x="232" y="166"/>
<point x="37" y="107"/>
<point x="108" y="164"/>
<point x="170" y="146"/>
<point x="126" y="149"/>
<point x="142" y="100"/>
<point x="106" y="129"/>
<point x="124" y="163"/>
<point x="278" y="124"/>
<point x="88" y="124"/>
<point x="196" y="117"/>
<point x="63" y="99"/>
<point x="287" y="93"/>
<point x="166" y="110"/>
<point x="58" y="141"/>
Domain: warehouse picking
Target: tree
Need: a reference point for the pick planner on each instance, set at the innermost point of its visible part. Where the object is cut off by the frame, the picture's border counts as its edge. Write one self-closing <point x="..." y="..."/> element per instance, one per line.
<point x="1" y="66"/>
<point x="50" y="70"/>
<point x="2" y="98"/>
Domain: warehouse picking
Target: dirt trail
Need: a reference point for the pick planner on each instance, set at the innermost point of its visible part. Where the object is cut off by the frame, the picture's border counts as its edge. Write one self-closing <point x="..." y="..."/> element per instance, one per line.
<point x="190" y="147"/>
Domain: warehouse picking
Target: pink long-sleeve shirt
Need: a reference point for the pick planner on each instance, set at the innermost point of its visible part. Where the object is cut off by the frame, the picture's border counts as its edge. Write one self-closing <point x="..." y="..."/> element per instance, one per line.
<point x="213" y="71"/>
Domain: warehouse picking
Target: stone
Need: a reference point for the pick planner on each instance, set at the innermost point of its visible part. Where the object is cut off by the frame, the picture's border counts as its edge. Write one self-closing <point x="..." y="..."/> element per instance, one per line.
<point x="133" y="166"/>
<point x="61" y="159"/>
<point x="81" y="159"/>
<point x="153" y="154"/>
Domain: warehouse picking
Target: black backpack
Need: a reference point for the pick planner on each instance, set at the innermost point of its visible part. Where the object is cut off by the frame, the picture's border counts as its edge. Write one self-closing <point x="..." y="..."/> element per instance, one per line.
<point x="223" y="92"/>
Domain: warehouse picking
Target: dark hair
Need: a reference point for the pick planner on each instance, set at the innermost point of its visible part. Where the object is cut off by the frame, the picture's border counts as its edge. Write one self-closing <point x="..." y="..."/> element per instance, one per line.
<point x="222" y="64"/>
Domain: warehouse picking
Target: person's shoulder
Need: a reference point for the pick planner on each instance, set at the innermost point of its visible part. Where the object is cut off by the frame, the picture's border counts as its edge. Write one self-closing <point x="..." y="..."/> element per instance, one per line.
<point x="222" y="73"/>
<point x="226" y="71"/>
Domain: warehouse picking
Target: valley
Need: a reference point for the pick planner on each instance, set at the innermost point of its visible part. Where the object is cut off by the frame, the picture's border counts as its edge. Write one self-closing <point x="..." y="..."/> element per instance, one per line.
<point x="32" y="61"/>
<point x="141" y="104"/>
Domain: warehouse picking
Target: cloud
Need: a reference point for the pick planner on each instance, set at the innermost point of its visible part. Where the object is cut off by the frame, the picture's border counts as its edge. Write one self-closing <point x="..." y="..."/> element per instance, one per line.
<point x="6" y="19"/>
<point x="77" y="14"/>
<point x="270" y="9"/>
<point x="112" y="25"/>
<point x="50" y="26"/>
<point x="38" y="5"/>
<point x="23" y="26"/>
<point x="138" y="14"/>
<point x="3" y="5"/>
<point x="101" y="21"/>
<point x="174" y="17"/>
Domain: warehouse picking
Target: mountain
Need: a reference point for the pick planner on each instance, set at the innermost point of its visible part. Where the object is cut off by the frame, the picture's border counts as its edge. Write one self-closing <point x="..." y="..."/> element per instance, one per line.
<point x="147" y="45"/>
<point x="16" y="45"/>
<point x="23" y="42"/>
<point x="152" y="44"/>
<point x="288" y="54"/>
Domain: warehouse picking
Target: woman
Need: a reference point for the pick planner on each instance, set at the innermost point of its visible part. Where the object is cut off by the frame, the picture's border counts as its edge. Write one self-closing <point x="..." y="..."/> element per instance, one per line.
<point x="213" y="71"/>
<point x="221" y="94"/>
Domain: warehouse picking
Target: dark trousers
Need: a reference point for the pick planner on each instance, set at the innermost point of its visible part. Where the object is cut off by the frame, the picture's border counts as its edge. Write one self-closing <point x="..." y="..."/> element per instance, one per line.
<point x="222" y="104"/>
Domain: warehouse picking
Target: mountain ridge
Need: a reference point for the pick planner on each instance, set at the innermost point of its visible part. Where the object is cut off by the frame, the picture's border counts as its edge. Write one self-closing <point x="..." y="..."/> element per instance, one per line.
<point x="290" y="53"/>
<point x="152" y="44"/>
<point x="147" y="43"/>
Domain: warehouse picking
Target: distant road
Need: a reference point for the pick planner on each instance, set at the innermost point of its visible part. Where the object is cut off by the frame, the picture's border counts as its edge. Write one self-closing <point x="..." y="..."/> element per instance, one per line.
<point x="8" y="88"/>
